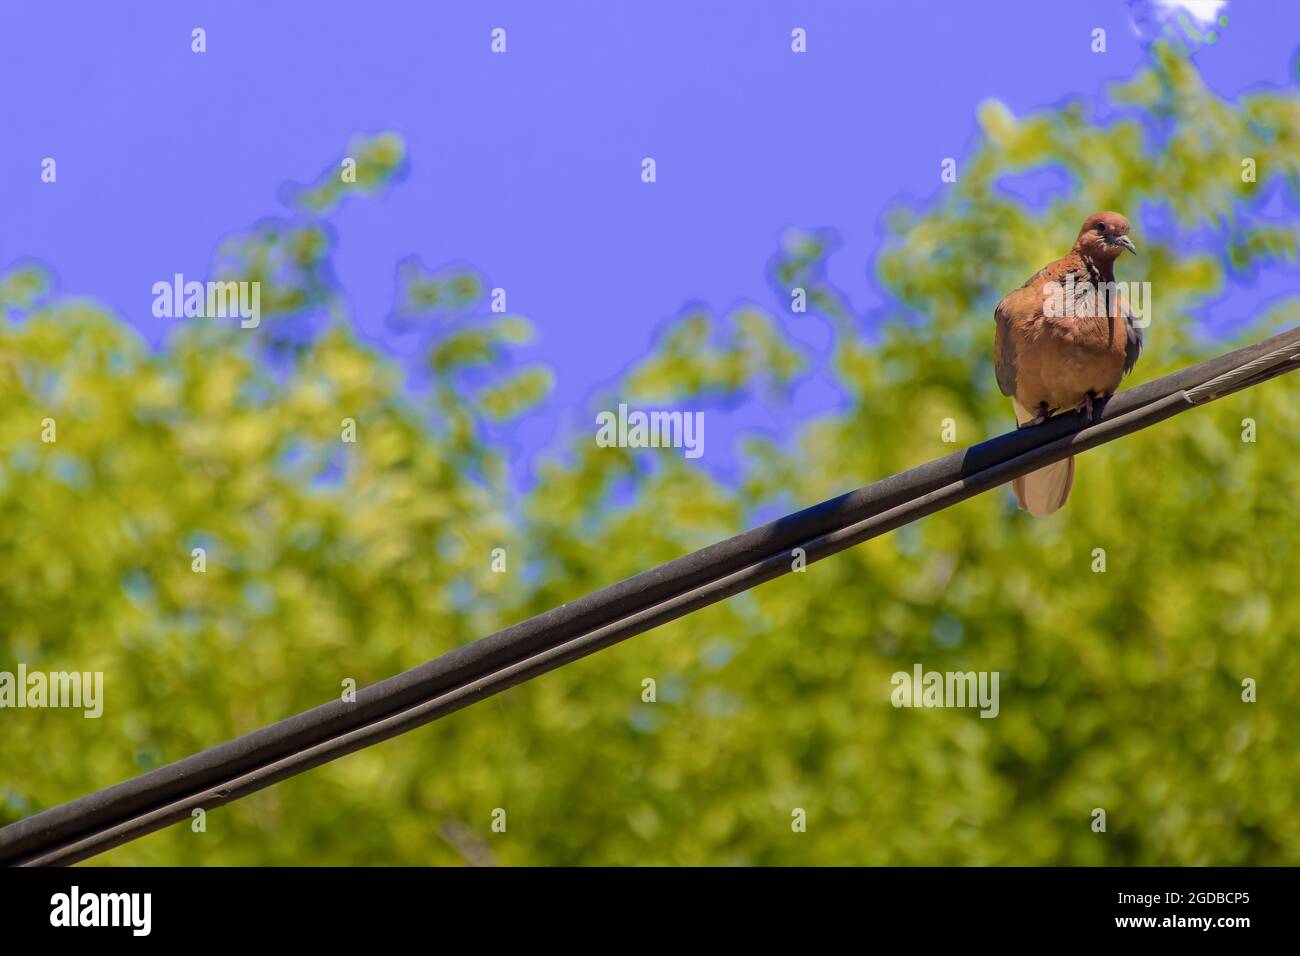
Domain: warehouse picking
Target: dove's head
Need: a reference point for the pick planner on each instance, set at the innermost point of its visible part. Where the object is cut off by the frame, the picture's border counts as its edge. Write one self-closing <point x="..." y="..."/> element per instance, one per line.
<point x="1104" y="236"/>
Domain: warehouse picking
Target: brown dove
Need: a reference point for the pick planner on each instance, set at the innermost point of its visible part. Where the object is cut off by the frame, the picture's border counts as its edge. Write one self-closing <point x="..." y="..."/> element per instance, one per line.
<point x="1064" y="340"/>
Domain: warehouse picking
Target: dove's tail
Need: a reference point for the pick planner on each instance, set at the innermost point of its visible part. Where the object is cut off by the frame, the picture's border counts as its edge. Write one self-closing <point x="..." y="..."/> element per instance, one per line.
<point x="1043" y="491"/>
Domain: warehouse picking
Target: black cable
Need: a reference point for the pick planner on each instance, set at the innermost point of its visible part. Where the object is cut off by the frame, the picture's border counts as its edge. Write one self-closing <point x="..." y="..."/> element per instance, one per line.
<point x="117" y="814"/>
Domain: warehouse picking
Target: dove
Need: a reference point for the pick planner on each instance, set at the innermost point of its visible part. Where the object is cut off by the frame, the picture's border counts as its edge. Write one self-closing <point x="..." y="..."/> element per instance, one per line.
<point x="1064" y="341"/>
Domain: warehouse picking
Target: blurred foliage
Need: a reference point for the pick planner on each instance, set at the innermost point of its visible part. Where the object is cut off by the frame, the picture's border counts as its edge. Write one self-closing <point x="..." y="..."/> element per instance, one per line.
<point x="694" y="359"/>
<point x="290" y="260"/>
<point x="369" y="165"/>
<point x="1120" y="690"/>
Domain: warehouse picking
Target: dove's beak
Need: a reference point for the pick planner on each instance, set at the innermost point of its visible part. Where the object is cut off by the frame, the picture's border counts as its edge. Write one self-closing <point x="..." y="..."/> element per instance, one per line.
<point x="1127" y="243"/>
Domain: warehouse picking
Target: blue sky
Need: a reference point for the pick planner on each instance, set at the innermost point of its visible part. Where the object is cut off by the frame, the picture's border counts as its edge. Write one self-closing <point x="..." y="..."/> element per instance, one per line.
<point x="527" y="166"/>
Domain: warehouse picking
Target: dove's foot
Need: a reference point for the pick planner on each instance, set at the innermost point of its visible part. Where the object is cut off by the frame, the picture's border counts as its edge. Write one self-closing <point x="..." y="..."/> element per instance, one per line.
<point x="1086" y="406"/>
<point x="1042" y="414"/>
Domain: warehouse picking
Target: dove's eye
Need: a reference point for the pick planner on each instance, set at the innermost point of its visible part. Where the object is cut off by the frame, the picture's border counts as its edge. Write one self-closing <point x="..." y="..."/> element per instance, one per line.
<point x="1100" y="227"/>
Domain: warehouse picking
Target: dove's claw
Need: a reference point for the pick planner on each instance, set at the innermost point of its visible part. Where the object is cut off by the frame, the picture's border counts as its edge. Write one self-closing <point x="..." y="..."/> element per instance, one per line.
<point x="1043" y="414"/>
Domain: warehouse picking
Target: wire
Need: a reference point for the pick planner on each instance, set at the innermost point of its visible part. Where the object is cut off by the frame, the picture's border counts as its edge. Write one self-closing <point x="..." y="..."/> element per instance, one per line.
<point x="92" y="824"/>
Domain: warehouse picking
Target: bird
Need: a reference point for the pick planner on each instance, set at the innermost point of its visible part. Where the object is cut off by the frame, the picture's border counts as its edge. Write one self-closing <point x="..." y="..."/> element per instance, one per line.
<point x="1064" y="341"/>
